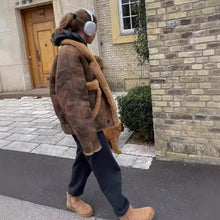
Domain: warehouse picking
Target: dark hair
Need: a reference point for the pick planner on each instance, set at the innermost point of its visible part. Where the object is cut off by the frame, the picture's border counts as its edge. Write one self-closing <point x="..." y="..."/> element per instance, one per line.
<point x="73" y="21"/>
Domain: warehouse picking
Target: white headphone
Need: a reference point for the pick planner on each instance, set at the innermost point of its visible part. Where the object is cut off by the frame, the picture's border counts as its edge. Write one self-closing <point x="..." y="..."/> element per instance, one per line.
<point x="90" y="26"/>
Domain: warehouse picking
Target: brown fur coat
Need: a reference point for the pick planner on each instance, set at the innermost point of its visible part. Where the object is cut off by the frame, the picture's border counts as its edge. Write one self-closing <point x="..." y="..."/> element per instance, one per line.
<point x="81" y="111"/>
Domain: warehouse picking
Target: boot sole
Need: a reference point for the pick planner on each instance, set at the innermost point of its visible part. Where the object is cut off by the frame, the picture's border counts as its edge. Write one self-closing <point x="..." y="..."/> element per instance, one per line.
<point x="152" y="215"/>
<point x="82" y="215"/>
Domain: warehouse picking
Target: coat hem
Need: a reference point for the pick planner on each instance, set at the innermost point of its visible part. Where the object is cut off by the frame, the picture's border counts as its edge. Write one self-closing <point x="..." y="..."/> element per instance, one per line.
<point x="97" y="150"/>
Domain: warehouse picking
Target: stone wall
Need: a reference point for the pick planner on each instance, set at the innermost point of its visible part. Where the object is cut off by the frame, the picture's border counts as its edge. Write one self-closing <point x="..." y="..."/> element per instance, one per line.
<point x="185" y="78"/>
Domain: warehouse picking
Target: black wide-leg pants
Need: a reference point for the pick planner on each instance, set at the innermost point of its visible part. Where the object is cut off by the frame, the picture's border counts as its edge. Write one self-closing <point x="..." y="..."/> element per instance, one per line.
<point x="106" y="170"/>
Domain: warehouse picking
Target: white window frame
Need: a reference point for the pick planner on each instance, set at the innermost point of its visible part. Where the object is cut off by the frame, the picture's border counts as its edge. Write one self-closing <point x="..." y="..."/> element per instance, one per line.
<point x="122" y="31"/>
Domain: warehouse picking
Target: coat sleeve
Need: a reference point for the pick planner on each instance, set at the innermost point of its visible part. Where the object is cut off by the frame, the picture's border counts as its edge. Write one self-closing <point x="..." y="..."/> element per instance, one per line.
<point x="72" y="96"/>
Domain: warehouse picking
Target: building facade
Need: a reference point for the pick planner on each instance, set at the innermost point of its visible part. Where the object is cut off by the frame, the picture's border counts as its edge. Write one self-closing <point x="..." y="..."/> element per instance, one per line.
<point x="184" y="67"/>
<point x="26" y="51"/>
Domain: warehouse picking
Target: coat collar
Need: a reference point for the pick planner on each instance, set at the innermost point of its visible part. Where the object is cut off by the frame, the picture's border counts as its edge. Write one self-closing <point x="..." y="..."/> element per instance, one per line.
<point x="81" y="47"/>
<point x="67" y="34"/>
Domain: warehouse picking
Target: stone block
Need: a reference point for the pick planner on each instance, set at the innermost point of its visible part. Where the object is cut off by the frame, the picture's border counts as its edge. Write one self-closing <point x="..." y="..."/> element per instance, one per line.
<point x="176" y="15"/>
<point x="68" y="140"/>
<point x="21" y="137"/>
<point x="158" y="92"/>
<point x="178" y="155"/>
<point x="151" y="12"/>
<point x="47" y="139"/>
<point x="157" y="109"/>
<point x="175" y="91"/>
<point x="208" y="10"/>
<point x="180" y="116"/>
<point x="197" y="91"/>
<point x="190" y="54"/>
<point x="132" y="83"/>
<point x="214" y="17"/>
<point x="167" y="4"/>
<point x="213" y="104"/>
<point x="21" y="146"/>
<point x="153" y="5"/>
<point x="213" y="45"/>
<point x="139" y="150"/>
<point x="143" y="162"/>
<point x="186" y="34"/>
<point x="126" y="160"/>
<point x="157" y="56"/>
<point x="22" y="130"/>
<point x="69" y="153"/>
<point x="214" y="59"/>
<point x="204" y="39"/>
<point x="201" y="46"/>
<point x="4" y="143"/>
<point x="185" y="21"/>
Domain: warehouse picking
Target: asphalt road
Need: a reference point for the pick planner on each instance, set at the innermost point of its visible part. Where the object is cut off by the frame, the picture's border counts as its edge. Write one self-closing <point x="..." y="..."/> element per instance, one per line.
<point x="177" y="191"/>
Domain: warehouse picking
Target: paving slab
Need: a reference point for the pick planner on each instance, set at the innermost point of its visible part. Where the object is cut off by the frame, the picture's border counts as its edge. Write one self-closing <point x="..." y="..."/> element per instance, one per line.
<point x="47" y="139"/>
<point x="20" y="146"/>
<point x="3" y="135"/>
<point x="20" y="137"/>
<point x="49" y="149"/>
<point x="6" y="123"/>
<point x="22" y="130"/>
<point x="67" y="141"/>
<point x="4" y="143"/>
<point x="43" y="131"/>
<point x="142" y="162"/>
<point x="126" y="160"/>
<point x="69" y="153"/>
<point x="140" y="150"/>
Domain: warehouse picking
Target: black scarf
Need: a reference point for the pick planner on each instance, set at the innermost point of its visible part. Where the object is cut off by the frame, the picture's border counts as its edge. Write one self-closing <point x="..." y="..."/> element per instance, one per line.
<point x="67" y="34"/>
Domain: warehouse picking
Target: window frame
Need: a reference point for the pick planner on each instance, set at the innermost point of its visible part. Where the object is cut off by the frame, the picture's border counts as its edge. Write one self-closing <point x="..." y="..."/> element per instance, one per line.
<point x="117" y="37"/>
<point x="120" y="10"/>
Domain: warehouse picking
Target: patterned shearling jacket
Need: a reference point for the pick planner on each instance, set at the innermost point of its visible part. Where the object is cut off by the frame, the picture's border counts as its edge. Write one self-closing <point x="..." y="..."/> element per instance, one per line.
<point x="73" y="103"/>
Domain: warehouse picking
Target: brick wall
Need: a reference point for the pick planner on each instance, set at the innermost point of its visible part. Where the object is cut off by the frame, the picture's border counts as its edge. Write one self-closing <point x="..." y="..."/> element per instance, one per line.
<point x="120" y="59"/>
<point x="185" y="78"/>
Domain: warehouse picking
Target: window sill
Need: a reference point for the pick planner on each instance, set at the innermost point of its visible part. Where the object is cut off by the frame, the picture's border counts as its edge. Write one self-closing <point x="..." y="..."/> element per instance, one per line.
<point x="120" y="39"/>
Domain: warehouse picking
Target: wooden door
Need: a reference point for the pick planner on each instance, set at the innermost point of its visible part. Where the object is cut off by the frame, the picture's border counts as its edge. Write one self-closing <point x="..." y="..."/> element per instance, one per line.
<point x="38" y="25"/>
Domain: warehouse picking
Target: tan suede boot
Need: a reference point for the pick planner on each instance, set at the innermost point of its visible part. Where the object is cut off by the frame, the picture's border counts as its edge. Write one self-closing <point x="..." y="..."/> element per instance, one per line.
<point x="76" y="204"/>
<point x="145" y="213"/>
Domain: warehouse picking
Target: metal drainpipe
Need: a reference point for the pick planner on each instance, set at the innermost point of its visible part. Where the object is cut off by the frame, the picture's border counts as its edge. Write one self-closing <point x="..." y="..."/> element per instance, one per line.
<point x="98" y="35"/>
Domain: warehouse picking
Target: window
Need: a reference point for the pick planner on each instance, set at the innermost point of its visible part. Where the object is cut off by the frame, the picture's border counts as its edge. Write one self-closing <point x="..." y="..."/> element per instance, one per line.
<point x="128" y="16"/>
<point x="123" y="33"/>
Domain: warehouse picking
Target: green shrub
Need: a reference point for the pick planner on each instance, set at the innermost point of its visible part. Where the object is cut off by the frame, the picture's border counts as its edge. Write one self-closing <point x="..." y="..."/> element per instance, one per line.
<point x="135" y="109"/>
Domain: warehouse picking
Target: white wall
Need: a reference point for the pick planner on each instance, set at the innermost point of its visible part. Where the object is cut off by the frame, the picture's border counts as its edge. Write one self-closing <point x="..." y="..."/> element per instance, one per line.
<point x="14" y="69"/>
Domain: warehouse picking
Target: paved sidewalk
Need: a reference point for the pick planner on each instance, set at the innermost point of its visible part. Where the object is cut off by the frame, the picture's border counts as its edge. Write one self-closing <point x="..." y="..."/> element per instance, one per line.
<point x="30" y="125"/>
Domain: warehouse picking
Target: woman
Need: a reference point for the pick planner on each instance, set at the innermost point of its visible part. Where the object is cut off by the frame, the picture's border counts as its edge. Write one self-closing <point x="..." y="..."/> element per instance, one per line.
<point x="84" y="114"/>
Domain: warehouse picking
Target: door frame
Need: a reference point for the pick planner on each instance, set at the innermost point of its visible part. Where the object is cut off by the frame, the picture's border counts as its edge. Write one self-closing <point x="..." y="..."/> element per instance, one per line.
<point x="27" y="48"/>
